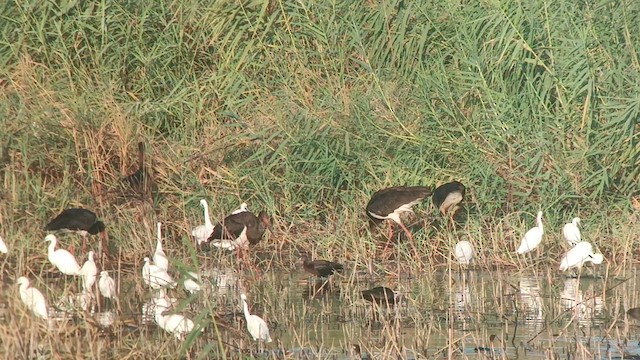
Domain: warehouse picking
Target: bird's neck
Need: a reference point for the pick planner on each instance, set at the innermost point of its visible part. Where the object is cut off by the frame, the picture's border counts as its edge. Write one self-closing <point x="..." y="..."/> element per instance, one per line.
<point x="207" y="219"/>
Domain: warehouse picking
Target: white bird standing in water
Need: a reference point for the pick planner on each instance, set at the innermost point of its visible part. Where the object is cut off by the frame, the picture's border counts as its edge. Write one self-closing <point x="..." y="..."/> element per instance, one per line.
<point x="578" y="255"/>
<point x="533" y="237"/>
<point x="571" y="232"/>
<point x="201" y="232"/>
<point x="159" y="257"/>
<point x="156" y="277"/>
<point x="32" y="298"/>
<point x="3" y="246"/>
<point x="243" y="207"/>
<point x="257" y="327"/>
<point x="62" y="259"/>
<point x="175" y="324"/>
<point x="107" y="285"/>
<point x="464" y="252"/>
<point x="89" y="272"/>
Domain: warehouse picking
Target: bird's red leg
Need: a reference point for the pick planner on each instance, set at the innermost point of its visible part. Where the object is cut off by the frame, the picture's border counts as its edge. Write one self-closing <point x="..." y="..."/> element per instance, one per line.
<point x="84" y="244"/>
<point x="411" y="240"/>
<point x="388" y="244"/>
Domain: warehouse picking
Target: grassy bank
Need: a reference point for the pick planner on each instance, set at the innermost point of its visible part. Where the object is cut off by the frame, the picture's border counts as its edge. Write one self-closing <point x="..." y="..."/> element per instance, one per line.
<point x="306" y="111"/>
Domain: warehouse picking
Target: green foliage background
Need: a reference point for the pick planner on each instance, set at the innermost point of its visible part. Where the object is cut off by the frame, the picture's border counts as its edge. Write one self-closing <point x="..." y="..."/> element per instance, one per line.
<point x="309" y="106"/>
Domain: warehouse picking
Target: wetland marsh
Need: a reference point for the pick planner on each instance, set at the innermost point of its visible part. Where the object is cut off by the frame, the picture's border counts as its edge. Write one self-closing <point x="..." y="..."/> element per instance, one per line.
<point x="304" y="110"/>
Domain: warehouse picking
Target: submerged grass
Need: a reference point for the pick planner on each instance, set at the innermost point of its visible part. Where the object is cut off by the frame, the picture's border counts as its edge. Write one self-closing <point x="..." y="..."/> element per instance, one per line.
<point x="305" y="110"/>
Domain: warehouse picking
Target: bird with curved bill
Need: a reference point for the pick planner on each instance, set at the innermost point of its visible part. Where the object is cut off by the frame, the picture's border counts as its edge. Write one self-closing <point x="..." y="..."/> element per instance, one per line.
<point x="82" y="221"/>
<point x="320" y="268"/>
<point x="390" y="203"/>
<point x="381" y="295"/>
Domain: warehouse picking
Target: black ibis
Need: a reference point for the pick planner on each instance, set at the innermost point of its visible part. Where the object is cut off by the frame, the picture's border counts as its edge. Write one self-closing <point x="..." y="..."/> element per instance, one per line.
<point x="447" y="197"/>
<point x="320" y="268"/>
<point x="137" y="180"/>
<point x="380" y="295"/>
<point x="82" y="221"/>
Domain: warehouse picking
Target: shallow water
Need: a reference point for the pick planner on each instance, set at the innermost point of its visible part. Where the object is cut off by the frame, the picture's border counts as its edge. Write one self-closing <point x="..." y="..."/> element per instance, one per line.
<point x="534" y="314"/>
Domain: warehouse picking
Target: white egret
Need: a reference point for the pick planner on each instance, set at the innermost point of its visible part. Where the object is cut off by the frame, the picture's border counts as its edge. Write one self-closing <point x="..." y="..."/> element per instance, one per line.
<point x="533" y="237"/>
<point x="243" y="207"/>
<point x="107" y="285"/>
<point x="155" y="277"/>
<point x="89" y="272"/>
<point x="571" y="232"/>
<point x="201" y="232"/>
<point x="192" y="282"/>
<point x="159" y="257"/>
<point x="3" y="246"/>
<point x="242" y="241"/>
<point x="62" y="259"/>
<point x="578" y="255"/>
<point x="464" y="252"/>
<point x="257" y="327"/>
<point x="175" y="324"/>
<point x="32" y="298"/>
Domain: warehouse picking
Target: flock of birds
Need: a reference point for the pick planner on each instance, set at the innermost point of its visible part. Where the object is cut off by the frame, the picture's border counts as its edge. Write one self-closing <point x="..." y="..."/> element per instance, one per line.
<point x="242" y="228"/>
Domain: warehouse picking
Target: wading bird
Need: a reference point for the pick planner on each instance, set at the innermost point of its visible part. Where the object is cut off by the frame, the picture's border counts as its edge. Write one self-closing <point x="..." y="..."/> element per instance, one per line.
<point x="201" y="232"/>
<point x="447" y="197"/>
<point x="32" y="298"/>
<point x="61" y="259"/>
<point x="107" y="285"/>
<point x="89" y="272"/>
<point x="156" y="277"/>
<point x="257" y="327"/>
<point x="137" y="180"/>
<point x="3" y="246"/>
<point x="571" y="232"/>
<point x="634" y="313"/>
<point x="159" y="257"/>
<point x="533" y="237"/>
<point x="81" y="221"/>
<point x="243" y="207"/>
<point x="192" y="282"/>
<point x="389" y="203"/>
<point x="381" y="295"/>
<point x="320" y="268"/>
<point x="239" y="230"/>
<point x="578" y="255"/>
<point x="175" y="324"/>
<point x="464" y="252"/>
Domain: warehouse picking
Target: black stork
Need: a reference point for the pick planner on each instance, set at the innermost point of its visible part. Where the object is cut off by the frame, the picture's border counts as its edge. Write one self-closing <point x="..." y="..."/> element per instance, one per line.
<point x="240" y="230"/>
<point x="82" y="221"/>
<point x="381" y="295"/>
<point x="320" y="268"/>
<point x="389" y="203"/>
<point x="447" y="197"/>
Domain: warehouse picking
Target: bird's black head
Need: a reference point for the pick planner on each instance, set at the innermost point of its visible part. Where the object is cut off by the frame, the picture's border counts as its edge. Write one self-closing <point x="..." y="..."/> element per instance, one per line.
<point x="265" y="220"/>
<point x="97" y="227"/>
